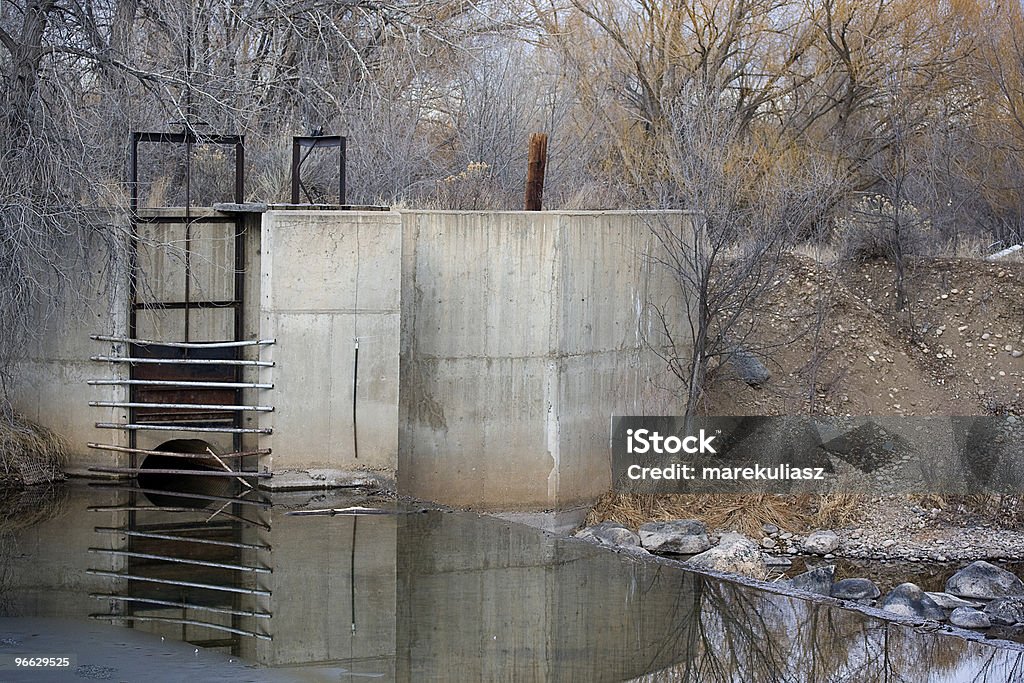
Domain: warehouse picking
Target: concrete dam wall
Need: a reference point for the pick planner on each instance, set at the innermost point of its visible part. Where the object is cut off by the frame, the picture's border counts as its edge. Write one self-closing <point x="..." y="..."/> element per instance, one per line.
<point x="469" y="358"/>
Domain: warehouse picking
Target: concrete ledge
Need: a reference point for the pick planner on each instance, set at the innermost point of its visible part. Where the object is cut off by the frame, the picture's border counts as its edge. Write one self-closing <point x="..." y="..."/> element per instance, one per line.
<point x="289" y="480"/>
<point x="560" y="522"/>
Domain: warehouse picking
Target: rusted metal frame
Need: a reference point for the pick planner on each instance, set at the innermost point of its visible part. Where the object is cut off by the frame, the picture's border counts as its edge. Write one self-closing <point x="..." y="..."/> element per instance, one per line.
<point x="187" y="622"/>
<point x="175" y="582"/>
<point x="182" y="384"/>
<point x="311" y="142"/>
<point x="182" y="406"/>
<point x="181" y="345"/>
<point x="183" y="539"/>
<point x="176" y="454"/>
<point x="181" y="560"/>
<point x="234" y="474"/>
<point x="182" y="361"/>
<point x="185" y="605"/>
<point x="239" y="318"/>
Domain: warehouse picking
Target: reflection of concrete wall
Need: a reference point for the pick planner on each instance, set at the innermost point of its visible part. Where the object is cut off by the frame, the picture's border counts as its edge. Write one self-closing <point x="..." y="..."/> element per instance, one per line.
<point x="328" y="279"/>
<point x="522" y="334"/>
<point x="312" y="593"/>
<point x="45" y="562"/>
<point x="499" y="602"/>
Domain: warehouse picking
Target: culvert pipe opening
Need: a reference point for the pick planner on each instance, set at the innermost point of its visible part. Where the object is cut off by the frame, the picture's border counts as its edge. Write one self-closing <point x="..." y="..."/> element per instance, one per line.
<point x="195" y="472"/>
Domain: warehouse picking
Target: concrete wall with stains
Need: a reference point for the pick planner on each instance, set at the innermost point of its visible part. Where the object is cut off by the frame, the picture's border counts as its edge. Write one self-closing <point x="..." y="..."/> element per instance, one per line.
<point x="330" y="279"/>
<point x="522" y="334"/>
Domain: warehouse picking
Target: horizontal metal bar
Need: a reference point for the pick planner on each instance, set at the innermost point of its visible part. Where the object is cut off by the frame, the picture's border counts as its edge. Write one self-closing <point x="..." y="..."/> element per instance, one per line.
<point x="181" y="305"/>
<point x="182" y="361"/>
<point x="190" y="473"/>
<point x="183" y="539"/>
<point x="192" y="136"/>
<point x="181" y="560"/>
<point x="170" y="508"/>
<point x="173" y="427"/>
<point x="176" y="454"/>
<point x="171" y="218"/>
<point x="187" y="622"/>
<point x="182" y="406"/>
<point x="173" y="383"/>
<point x="183" y="345"/>
<point x="181" y="494"/>
<point x="183" y="605"/>
<point x="175" y="582"/>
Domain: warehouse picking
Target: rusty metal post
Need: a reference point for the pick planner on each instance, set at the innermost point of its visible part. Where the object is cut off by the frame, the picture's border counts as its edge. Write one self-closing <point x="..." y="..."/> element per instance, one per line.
<point x="537" y="163"/>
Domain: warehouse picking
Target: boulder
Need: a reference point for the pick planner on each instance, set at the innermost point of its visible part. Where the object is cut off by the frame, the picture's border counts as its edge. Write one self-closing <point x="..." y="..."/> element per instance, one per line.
<point x="749" y="367"/>
<point x="730" y="537"/>
<point x="947" y="601"/>
<point x="855" y="589"/>
<point x="968" y="617"/>
<point x="609" y="533"/>
<point x="908" y="600"/>
<point x="983" y="580"/>
<point x="821" y="542"/>
<point x="1006" y="611"/>
<point x="815" y="581"/>
<point x="738" y="557"/>
<point x="680" y="536"/>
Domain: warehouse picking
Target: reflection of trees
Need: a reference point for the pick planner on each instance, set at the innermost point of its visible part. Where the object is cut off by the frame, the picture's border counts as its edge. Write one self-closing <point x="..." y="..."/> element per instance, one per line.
<point x="738" y="633"/>
<point x="20" y="510"/>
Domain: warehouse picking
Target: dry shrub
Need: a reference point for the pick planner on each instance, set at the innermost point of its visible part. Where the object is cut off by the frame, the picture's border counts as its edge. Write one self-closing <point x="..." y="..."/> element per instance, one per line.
<point x="29" y="453"/>
<point x="745" y="513"/>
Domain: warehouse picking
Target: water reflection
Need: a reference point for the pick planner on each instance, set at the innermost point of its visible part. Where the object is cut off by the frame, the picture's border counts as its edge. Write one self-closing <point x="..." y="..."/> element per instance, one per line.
<point x="437" y="596"/>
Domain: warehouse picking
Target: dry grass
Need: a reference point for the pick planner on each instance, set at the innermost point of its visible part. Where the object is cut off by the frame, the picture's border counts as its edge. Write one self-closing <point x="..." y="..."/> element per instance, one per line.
<point x="745" y="513"/>
<point x="29" y="453"/>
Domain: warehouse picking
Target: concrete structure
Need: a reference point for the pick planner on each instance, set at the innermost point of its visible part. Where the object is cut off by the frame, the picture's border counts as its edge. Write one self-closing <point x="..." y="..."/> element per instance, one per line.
<point x="471" y="358"/>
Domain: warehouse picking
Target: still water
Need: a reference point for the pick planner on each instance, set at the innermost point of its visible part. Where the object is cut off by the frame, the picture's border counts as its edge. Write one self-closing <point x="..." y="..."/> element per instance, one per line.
<point x="137" y="585"/>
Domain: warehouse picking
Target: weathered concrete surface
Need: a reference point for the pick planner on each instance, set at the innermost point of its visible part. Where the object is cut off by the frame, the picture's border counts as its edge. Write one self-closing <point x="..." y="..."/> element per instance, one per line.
<point x="50" y="381"/>
<point x="522" y="334"/>
<point x="329" y="279"/>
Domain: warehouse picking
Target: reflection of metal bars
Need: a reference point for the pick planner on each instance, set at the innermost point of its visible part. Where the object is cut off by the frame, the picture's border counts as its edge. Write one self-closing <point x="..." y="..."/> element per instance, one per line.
<point x="167" y="570"/>
<point x="309" y="143"/>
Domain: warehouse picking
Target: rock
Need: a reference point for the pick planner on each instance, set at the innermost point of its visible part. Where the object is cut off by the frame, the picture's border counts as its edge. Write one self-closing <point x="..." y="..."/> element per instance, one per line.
<point x="821" y="542"/>
<point x="815" y="581"/>
<point x="855" y="589"/>
<point x="681" y="536"/>
<point x="983" y="580"/>
<point x="768" y="542"/>
<point x="968" y="617"/>
<point x="730" y="537"/>
<point x="908" y="600"/>
<point x="1007" y="611"/>
<point x="609" y="533"/>
<point x="749" y="368"/>
<point x="777" y="561"/>
<point x="737" y="557"/>
<point x="786" y="535"/>
<point x="769" y="529"/>
<point x="947" y="601"/>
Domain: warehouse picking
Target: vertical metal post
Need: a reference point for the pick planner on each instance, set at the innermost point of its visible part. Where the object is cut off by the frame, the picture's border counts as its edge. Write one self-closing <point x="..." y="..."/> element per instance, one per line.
<point x="240" y="171"/>
<point x="295" y="170"/>
<point x="342" y="152"/>
<point x="538" y="161"/>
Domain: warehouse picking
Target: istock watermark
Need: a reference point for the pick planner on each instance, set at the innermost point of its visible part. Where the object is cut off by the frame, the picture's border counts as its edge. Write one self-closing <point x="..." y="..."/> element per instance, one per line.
<point x="872" y="455"/>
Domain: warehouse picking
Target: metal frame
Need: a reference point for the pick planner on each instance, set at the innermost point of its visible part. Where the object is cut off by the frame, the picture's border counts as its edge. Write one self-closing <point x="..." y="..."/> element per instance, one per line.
<point x="311" y="142"/>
